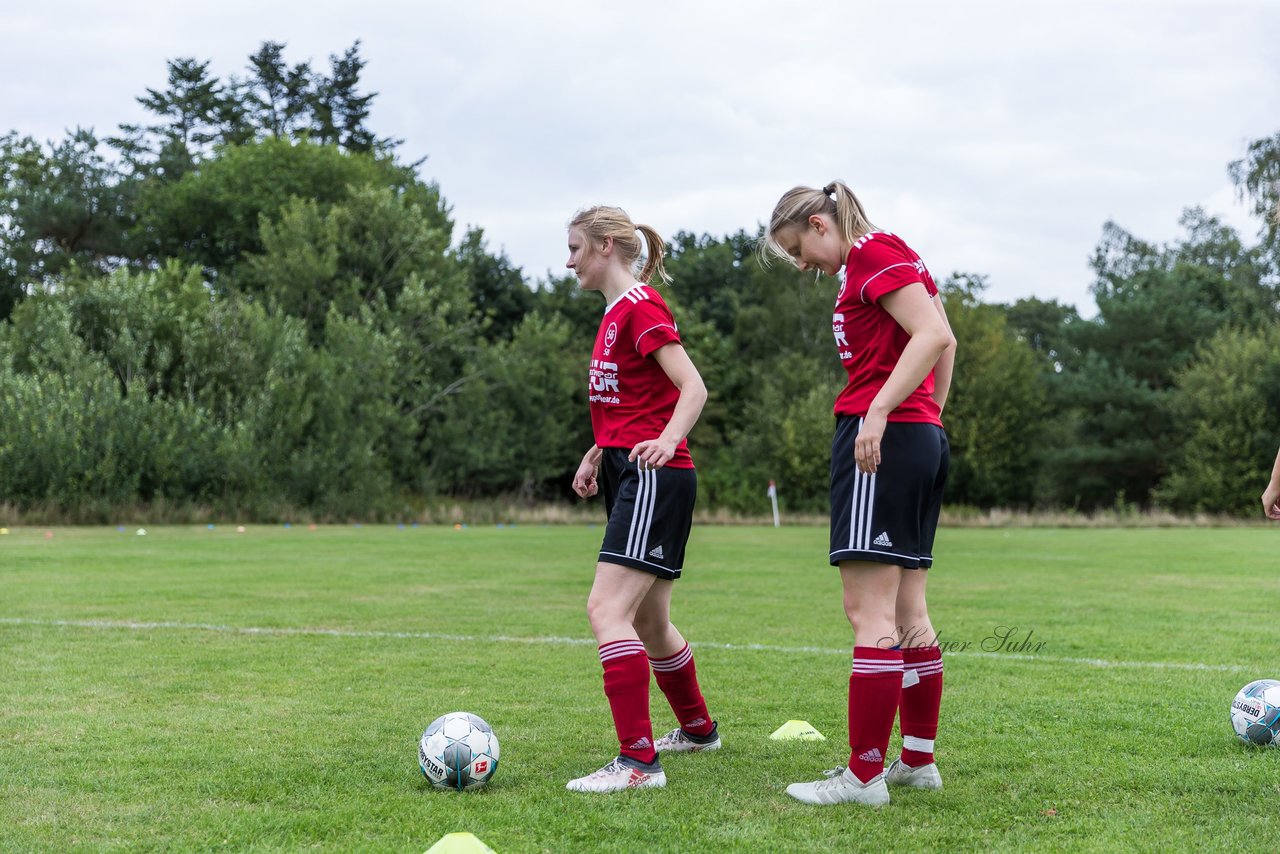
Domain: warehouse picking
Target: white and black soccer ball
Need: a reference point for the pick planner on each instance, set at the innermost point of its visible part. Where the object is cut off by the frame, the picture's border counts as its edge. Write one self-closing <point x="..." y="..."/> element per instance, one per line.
<point x="1255" y="713"/>
<point x="458" y="751"/>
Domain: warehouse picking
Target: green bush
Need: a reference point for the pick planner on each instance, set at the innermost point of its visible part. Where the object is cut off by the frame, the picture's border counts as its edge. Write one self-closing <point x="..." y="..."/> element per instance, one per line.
<point x="1230" y="397"/>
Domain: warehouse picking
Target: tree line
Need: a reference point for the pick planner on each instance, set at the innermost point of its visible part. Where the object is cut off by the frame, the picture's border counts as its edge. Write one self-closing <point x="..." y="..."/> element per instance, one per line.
<point x="252" y="304"/>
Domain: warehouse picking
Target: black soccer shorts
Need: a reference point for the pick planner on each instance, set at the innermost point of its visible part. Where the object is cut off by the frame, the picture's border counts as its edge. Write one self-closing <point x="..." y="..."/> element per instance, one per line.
<point x="890" y="516"/>
<point x="650" y="513"/>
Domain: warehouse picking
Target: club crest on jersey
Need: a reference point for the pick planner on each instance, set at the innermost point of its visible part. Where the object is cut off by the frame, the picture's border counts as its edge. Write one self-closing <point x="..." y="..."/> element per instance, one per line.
<point x="611" y="335"/>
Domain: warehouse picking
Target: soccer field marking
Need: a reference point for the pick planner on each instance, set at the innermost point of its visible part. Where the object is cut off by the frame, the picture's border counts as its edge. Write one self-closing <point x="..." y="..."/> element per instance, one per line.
<point x="287" y="631"/>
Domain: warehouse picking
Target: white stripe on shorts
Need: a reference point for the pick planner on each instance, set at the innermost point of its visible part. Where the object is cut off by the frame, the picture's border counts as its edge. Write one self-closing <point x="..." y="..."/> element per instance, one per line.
<point x="648" y="519"/>
<point x="642" y="513"/>
<point x="635" y="515"/>
<point x="864" y="493"/>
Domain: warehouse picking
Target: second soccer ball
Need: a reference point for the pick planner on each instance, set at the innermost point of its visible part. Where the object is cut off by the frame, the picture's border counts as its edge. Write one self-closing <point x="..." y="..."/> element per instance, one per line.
<point x="1255" y="713"/>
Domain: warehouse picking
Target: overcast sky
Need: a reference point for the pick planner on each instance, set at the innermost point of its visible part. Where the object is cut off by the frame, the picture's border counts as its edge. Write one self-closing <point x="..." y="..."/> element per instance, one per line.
<point x="995" y="137"/>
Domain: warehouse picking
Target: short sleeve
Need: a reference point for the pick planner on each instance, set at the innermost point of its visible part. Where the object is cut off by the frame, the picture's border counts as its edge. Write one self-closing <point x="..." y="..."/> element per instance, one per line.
<point x="653" y="326"/>
<point x="883" y="267"/>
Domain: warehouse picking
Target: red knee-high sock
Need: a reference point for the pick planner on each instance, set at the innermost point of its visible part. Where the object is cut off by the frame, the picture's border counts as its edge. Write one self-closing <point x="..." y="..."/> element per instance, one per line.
<point x="918" y="710"/>
<point x="626" y="685"/>
<point x="678" y="680"/>
<point x="874" y="686"/>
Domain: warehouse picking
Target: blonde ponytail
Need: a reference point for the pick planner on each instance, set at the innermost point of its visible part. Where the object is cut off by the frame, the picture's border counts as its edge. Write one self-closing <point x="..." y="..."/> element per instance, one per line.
<point x="655" y="248"/>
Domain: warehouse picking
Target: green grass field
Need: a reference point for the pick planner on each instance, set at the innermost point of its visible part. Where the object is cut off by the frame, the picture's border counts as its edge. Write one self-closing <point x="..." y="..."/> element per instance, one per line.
<point x="200" y="689"/>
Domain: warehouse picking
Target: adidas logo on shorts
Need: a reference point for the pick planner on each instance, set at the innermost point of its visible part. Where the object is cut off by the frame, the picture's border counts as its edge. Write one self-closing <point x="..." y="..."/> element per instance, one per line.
<point x="883" y="540"/>
<point x="656" y="551"/>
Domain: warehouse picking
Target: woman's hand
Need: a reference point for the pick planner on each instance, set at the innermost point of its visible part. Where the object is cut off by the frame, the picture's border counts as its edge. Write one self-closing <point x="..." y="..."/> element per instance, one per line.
<point x="1271" y="501"/>
<point x="866" y="447"/>
<point x="653" y="453"/>
<point x="584" y="480"/>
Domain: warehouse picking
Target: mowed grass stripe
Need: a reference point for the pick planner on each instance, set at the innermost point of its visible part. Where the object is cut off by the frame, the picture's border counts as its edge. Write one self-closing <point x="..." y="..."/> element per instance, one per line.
<point x="501" y="639"/>
<point x="1122" y="595"/>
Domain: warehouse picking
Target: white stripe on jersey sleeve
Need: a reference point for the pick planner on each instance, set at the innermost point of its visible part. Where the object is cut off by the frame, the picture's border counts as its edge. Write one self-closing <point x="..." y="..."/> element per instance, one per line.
<point x="651" y="328"/>
<point x="862" y="294"/>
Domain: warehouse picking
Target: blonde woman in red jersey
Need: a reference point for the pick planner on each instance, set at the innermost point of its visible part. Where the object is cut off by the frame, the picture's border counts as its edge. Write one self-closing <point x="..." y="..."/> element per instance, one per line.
<point x="645" y="395"/>
<point x="889" y="462"/>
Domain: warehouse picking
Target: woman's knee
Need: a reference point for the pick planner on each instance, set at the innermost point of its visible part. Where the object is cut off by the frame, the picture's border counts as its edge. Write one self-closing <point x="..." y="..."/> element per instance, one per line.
<point x="602" y="612"/>
<point x="871" y="617"/>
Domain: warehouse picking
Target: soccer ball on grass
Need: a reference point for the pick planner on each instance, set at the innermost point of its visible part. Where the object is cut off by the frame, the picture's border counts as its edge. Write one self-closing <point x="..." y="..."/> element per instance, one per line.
<point x="1255" y="713"/>
<point x="458" y="751"/>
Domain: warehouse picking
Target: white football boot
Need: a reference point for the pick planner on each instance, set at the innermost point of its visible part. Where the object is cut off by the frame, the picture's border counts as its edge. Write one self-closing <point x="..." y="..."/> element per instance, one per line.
<point x="620" y="774"/>
<point x="679" y="741"/>
<point x="841" y="786"/>
<point x="923" y="777"/>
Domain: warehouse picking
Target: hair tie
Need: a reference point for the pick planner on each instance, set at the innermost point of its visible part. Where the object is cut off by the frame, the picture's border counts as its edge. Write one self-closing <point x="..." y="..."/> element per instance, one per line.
<point x="830" y="189"/>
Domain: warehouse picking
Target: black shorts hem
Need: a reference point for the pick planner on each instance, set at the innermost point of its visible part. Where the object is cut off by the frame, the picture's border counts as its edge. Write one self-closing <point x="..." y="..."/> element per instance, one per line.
<point x="662" y="572"/>
<point x="904" y="561"/>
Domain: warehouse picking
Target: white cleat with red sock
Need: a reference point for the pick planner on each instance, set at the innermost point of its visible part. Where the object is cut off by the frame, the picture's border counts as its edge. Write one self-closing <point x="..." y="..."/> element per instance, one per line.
<point x="619" y="775"/>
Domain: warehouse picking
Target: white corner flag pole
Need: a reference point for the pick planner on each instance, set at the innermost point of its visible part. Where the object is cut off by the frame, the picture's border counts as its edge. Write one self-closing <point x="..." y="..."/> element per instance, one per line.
<point x="773" y="497"/>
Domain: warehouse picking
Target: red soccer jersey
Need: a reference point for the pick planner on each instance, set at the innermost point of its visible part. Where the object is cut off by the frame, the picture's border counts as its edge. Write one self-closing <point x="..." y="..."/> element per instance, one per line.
<point x="631" y="397"/>
<point x="869" y="340"/>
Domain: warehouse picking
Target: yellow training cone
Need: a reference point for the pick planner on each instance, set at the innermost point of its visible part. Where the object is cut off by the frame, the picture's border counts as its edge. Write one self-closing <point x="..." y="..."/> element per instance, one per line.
<point x="797" y="730"/>
<point x="459" y="843"/>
